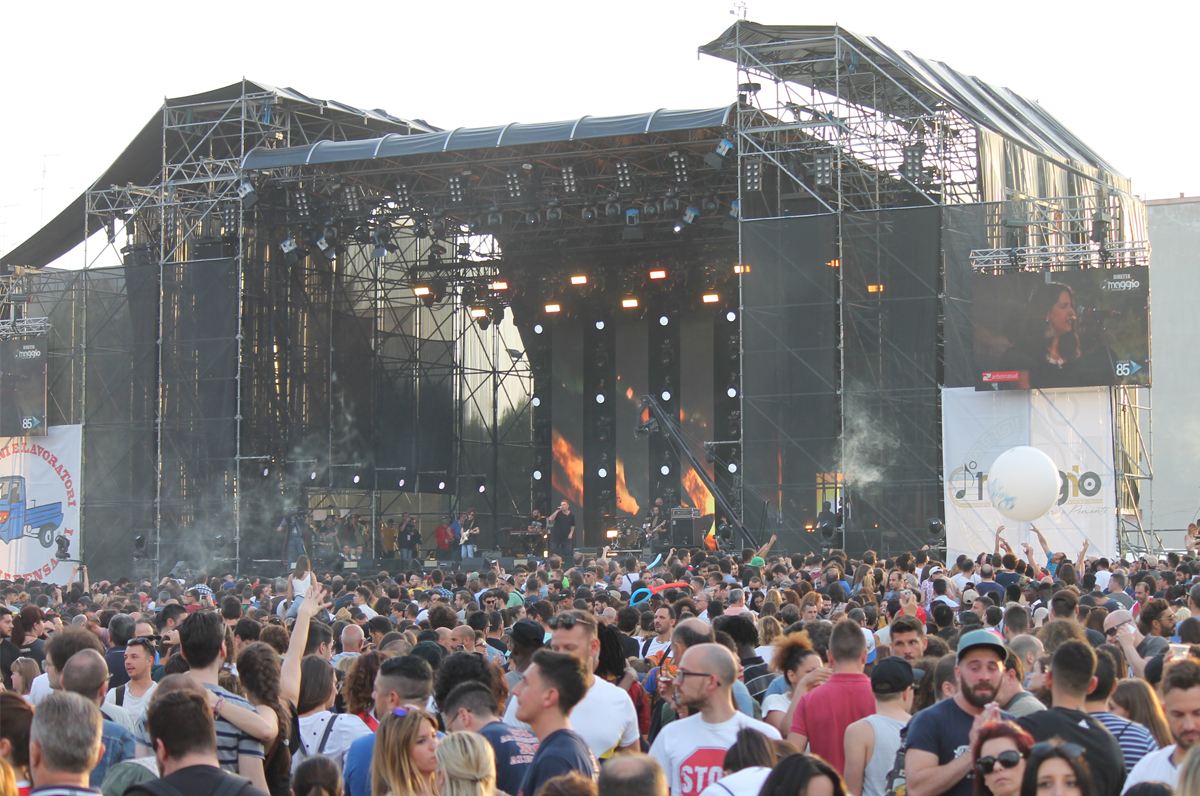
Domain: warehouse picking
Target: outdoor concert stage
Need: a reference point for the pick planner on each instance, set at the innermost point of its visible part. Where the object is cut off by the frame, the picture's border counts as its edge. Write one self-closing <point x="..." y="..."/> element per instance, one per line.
<point x="362" y="314"/>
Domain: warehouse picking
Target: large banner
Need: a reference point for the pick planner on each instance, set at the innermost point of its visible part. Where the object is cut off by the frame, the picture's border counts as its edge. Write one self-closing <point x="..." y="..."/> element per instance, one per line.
<point x="1072" y="427"/>
<point x="1086" y="328"/>
<point x="39" y="502"/>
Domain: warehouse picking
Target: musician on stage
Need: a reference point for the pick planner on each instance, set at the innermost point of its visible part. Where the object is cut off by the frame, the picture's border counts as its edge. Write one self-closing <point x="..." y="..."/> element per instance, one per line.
<point x="658" y="523"/>
<point x="470" y="530"/>
<point x="562" y="531"/>
<point x="408" y="538"/>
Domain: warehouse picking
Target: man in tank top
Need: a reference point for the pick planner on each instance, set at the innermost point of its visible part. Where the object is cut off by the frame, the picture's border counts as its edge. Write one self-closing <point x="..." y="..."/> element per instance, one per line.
<point x="872" y="743"/>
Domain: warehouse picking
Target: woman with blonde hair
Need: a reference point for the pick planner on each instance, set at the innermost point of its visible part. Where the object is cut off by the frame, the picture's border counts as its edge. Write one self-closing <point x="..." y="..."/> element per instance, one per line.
<point x="23" y="671"/>
<point x="405" y="757"/>
<point x="466" y="765"/>
<point x="1136" y="701"/>
<point x="769" y="629"/>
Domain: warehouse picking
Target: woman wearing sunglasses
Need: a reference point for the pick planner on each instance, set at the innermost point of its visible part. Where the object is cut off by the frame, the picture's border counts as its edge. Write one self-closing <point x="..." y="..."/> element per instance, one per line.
<point x="1057" y="769"/>
<point x="1000" y="752"/>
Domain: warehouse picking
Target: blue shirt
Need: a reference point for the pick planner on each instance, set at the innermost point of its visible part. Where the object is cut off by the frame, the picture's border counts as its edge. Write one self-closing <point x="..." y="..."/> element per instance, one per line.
<point x="456" y="527"/>
<point x="561" y="753"/>
<point x="356" y="774"/>
<point x="118" y="745"/>
<point x="515" y="748"/>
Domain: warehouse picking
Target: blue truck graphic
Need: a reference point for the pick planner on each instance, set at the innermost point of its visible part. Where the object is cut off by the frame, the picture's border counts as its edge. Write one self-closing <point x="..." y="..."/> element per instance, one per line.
<point x="18" y="520"/>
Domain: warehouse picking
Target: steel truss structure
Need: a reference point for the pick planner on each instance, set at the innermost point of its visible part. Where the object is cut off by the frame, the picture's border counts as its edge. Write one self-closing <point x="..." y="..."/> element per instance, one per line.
<point x="836" y="123"/>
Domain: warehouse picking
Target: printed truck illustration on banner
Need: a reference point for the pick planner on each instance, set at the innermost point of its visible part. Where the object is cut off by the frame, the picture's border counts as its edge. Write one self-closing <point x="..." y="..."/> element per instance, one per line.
<point x="18" y="519"/>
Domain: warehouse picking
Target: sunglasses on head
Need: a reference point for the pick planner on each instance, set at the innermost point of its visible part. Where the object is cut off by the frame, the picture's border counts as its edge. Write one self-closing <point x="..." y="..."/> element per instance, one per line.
<point x="1008" y="759"/>
<point x="565" y="621"/>
<point x="145" y="640"/>
<point x="1046" y="747"/>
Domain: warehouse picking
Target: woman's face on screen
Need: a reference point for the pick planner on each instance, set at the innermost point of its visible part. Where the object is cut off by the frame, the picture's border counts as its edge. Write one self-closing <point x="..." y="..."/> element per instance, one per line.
<point x="1062" y="315"/>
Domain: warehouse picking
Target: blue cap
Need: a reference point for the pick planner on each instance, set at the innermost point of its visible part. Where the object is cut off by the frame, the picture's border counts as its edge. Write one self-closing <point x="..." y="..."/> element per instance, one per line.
<point x="981" y="638"/>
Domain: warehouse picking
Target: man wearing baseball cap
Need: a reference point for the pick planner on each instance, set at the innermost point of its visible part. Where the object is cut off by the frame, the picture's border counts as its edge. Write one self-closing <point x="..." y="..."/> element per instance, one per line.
<point x="940" y="738"/>
<point x="872" y="743"/>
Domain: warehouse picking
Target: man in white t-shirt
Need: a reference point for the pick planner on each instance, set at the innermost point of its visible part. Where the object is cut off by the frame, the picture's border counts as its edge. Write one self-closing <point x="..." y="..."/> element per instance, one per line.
<point x="1181" y="703"/>
<point x="692" y="750"/>
<point x="664" y="626"/>
<point x="605" y="718"/>
<point x="135" y="695"/>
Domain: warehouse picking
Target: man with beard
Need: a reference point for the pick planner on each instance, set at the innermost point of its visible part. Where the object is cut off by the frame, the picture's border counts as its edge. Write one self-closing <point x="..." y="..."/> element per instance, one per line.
<point x="940" y="738"/>
<point x="1072" y="675"/>
<point x="1181" y="703"/>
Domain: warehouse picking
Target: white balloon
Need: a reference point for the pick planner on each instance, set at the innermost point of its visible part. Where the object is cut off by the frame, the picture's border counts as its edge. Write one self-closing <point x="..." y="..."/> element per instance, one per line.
<point x="1023" y="483"/>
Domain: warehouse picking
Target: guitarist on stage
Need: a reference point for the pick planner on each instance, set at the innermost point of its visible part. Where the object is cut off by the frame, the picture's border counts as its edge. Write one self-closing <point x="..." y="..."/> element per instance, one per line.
<point x="657" y="522"/>
<point x="470" y="530"/>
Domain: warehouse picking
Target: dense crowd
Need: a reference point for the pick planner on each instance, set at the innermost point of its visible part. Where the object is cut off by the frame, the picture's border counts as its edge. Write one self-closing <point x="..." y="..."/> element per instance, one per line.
<point x="709" y="674"/>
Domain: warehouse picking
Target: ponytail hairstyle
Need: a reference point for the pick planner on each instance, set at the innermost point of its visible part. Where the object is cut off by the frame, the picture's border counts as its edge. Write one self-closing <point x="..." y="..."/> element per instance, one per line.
<point x="317" y="775"/>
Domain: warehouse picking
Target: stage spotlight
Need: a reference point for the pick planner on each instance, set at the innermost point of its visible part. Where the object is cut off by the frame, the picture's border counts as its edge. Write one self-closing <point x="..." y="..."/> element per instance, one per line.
<point x="665" y="469"/>
<point x="936" y="527"/>
<point x="247" y="194"/>
<point x="553" y="308"/>
<point x="666" y="395"/>
<point x="708" y="205"/>
<point x="730" y="223"/>
<point x="499" y="285"/>
<point x="579" y="280"/>
<point x="553" y="215"/>
<point x="612" y="211"/>
<point x="312" y="476"/>
<point x="650" y="209"/>
<point x="663" y="320"/>
<point x="732" y="467"/>
<point x="478" y="312"/>
<point x="481" y="488"/>
<point x="731" y="316"/>
<point x="350" y="201"/>
<point x="719" y="159"/>
<point x="633" y="229"/>
<point x="624" y="179"/>
<point x="913" y="154"/>
<point x="529" y="219"/>
<point x="537" y="475"/>
<point x="589" y="214"/>
<point x="441" y="486"/>
<point x="678" y="227"/>
<point x="874" y="288"/>
<point x="690" y="214"/>
<point x="599" y="397"/>
<point x="710" y="298"/>
<point x="569" y="183"/>
<point x="379" y="240"/>
<point x="670" y="205"/>
<point x="602" y="473"/>
<point x="402" y="194"/>
<point x="658" y="273"/>
<point x="63" y="552"/>
<point x="458" y="189"/>
<point x="732" y="391"/>
<point x="326" y="247"/>
<point x="357" y="478"/>
<point x="679" y="164"/>
<point x="751" y="175"/>
<point x="629" y="303"/>
<point x="421" y="290"/>
<point x="823" y="169"/>
<point x="495" y="219"/>
<point x="300" y="202"/>
<point x="538" y="328"/>
<point x="266" y="471"/>
<point x="536" y="401"/>
<point x="139" y="546"/>
<point x="599" y="326"/>
<point x="512" y="180"/>
<point x="400" y="483"/>
<point x="741" y="269"/>
<point x="290" y="250"/>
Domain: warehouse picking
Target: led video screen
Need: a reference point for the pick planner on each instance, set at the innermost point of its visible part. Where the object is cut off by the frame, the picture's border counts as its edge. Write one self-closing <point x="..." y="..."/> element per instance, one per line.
<point x="1086" y="328"/>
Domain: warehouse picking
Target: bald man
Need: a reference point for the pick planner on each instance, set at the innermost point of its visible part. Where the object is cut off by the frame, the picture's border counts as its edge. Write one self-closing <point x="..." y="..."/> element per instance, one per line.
<point x="446" y="638"/>
<point x="692" y="750"/>
<point x="632" y="775"/>
<point x="462" y="639"/>
<point x="352" y="643"/>
<point x="86" y="674"/>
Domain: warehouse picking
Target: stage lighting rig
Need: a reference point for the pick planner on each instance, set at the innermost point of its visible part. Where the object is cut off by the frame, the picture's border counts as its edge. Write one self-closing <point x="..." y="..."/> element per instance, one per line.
<point x="512" y="181"/>
<point x="751" y="174"/>
<point x="730" y="224"/>
<point x="590" y="214"/>
<point x="633" y="221"/>
<point x="300" y="203"/>
<point x="670" y="206"/>
<point x="612" y="211"/>
<point x="650" y="210"/>
<point x="710" y="298"/>
<point x="457" y="185"/>
<point x="570" y="184"/>
<point x="719" y="158"/>
<point x="402" y="194"/>
<point x="350" y="201"/>
<point x="624" y="177"/>
<point x="291" y="251"/>
<point x="823" y="169"/>
<point x="553" y="214"/>
<point x="327" y="247"/>
<point x="679" y="165"/>
<point x="495" y="218"/>
<point x="248" y="194"/>
<point x="229" y="217"/>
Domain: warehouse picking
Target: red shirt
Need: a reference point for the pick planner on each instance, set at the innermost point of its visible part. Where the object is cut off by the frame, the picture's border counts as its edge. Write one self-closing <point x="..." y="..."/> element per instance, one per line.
<point x="823" y="714"/>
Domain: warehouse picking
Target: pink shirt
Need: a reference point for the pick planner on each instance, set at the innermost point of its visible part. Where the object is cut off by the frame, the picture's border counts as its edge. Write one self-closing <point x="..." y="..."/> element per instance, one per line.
<point x="823" y="714"/>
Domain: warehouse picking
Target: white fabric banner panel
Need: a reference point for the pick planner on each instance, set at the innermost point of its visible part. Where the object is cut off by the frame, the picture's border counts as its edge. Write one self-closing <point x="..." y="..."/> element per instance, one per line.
<point x="39" y="501"/>
<point x="1071" y="426"/>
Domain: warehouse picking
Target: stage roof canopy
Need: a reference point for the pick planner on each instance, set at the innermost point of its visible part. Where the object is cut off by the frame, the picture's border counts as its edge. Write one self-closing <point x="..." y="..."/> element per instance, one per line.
<point x="473" y="138"/>
<point x="804" y="54"/>
<point x="141" y="162"/>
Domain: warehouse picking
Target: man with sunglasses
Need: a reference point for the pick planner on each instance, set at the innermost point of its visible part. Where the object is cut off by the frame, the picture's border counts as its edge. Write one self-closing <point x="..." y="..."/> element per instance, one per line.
<point x="605" y="717"/>
<point x="692" y="750"/>
<point x="1072" y="675"/>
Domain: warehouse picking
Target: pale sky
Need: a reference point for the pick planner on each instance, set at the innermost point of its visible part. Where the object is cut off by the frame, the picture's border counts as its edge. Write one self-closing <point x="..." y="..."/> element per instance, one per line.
<point x="79" y="79"/>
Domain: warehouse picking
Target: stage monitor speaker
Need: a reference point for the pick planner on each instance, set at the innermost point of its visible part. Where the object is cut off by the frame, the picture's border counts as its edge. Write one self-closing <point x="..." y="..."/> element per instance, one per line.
<point x="686" y="529"/>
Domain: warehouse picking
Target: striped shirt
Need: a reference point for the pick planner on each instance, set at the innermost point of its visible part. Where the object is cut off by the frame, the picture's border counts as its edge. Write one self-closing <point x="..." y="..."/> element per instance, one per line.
<point x="231" y="742"/>
<point x="1135" y="740"/>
